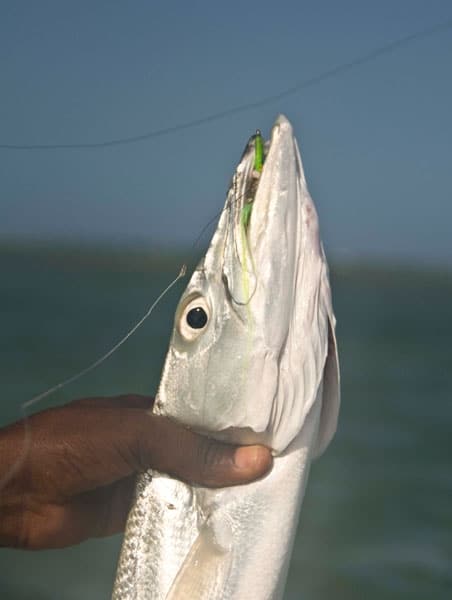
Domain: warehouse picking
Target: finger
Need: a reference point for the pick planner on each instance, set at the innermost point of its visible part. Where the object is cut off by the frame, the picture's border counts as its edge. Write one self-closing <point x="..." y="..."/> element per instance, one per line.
<point x="122" y="401"/>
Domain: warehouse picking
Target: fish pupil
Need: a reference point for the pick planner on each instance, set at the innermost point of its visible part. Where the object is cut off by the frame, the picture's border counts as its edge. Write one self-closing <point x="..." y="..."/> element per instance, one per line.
<point x="197" y="318"/>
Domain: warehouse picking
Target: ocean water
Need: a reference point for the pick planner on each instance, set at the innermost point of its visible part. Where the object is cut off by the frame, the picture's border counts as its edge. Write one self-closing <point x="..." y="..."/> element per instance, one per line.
<point x="376" y="522"/>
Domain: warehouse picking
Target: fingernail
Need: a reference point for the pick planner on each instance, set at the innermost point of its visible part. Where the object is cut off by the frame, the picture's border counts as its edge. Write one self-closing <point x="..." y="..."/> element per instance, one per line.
<point x="250" y="457"/>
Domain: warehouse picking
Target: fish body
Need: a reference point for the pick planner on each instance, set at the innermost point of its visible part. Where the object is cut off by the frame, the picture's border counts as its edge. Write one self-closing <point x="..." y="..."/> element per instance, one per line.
<point x="252" y="359"/>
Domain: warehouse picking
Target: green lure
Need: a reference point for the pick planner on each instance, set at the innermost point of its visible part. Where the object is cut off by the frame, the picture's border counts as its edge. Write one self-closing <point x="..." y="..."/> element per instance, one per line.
<point x="258" y="152"/>
<point x="245" y="215"/>
<point x="258" y="166"/>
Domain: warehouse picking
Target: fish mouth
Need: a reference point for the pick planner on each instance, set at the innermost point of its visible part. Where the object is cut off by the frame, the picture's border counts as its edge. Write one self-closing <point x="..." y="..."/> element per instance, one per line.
<point x="263" y="213"/>
<point x="255" y="153"/>
<point x="259" y="157"/>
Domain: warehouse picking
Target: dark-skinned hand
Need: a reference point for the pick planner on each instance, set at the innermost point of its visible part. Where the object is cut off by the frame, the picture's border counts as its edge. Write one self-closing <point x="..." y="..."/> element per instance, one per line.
<point x="68" y="473"/>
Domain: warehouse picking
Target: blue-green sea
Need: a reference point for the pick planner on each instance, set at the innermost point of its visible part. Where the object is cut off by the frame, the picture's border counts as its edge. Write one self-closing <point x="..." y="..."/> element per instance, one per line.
<point x="376" y="522"/>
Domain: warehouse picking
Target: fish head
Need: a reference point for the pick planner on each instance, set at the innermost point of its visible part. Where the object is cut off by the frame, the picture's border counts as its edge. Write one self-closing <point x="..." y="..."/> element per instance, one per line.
<point x="253" y="344"/>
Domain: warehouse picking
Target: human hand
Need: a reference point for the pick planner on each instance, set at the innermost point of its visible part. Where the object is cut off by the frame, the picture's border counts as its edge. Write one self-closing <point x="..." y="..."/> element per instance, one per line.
<point x="72" y="475"/>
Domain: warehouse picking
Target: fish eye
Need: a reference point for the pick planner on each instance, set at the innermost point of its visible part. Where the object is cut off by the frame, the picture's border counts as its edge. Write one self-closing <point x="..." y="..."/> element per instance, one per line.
<point x="194" y="318"/>
<point x="197" y="317"/>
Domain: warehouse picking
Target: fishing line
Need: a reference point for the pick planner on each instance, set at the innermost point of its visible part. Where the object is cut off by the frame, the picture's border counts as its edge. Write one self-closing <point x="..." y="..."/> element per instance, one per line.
<point x="229" y="203"/>
<point x="29" y="403"/>
<point x="206" y="227"/>
<point x="103" y="358"/>
<point x="289" y="91"/>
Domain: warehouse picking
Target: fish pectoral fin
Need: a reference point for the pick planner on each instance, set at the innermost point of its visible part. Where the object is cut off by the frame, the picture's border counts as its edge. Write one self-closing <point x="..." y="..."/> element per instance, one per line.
<point x="204" y="571"/>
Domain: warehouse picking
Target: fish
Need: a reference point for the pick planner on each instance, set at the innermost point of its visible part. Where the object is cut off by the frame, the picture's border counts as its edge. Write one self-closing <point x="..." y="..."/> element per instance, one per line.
<point x="252" y="360"/>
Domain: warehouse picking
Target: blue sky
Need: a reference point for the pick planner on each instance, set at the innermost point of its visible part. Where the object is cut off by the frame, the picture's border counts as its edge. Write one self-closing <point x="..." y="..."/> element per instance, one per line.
<point x="376" y="140"/>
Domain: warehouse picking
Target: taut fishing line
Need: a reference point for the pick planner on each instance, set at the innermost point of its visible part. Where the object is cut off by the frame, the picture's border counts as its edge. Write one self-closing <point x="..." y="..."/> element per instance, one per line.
<point x="104" y="357"/>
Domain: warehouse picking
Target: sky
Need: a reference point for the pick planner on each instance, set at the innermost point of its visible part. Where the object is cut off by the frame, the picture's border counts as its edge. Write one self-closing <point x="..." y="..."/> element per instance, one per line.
<point x="375" y="139"/>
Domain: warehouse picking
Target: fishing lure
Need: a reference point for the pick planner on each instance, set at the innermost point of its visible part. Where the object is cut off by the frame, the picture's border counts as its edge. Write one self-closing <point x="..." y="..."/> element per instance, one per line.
<point x="258" y="143"/>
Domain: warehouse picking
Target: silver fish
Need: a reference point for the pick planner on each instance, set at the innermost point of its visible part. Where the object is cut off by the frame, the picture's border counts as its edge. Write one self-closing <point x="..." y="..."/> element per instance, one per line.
<point x="252" y="359"/>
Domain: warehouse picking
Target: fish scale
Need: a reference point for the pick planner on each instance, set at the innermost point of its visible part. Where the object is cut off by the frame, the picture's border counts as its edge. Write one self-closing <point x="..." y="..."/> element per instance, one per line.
<point x="163" y="522"/>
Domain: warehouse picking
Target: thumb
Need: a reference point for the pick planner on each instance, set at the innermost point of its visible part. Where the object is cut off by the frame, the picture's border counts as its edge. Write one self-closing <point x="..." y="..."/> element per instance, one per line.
<point x="171" y="448"/>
